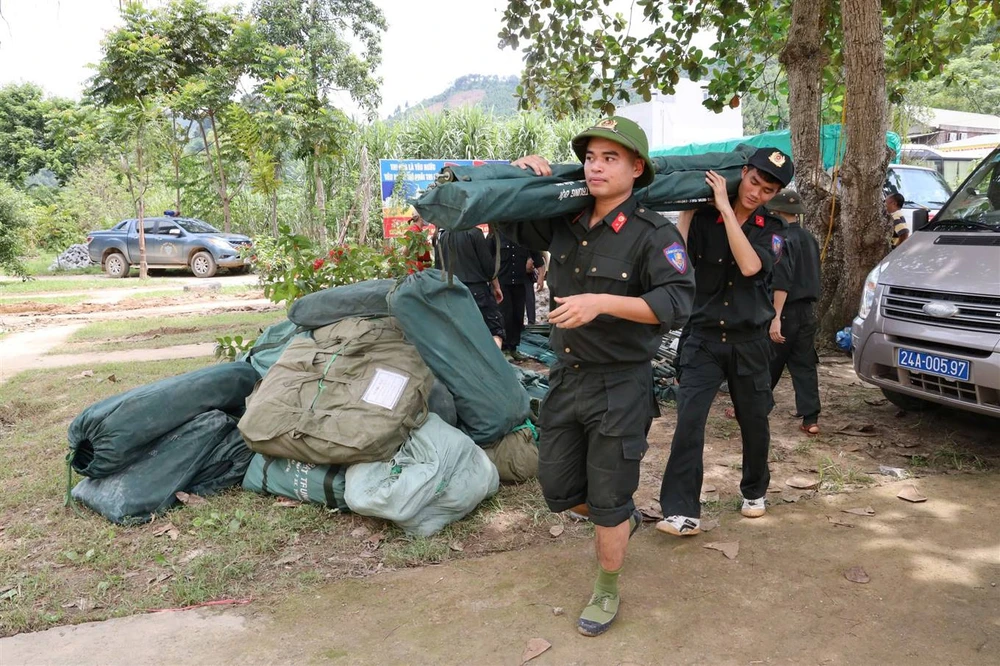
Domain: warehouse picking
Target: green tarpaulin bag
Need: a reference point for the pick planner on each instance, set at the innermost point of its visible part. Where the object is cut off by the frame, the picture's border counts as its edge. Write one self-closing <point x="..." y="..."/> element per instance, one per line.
<point x="269" y="344"/>
<point x="328" y="306"/>
<point x="202" y="456"/>
<point x="497" y="193"/>
<point x="442" y="403"/>
<point x="109" y="435"/>
<point x="443" y="322"/>
<point x="305" y="482"/>
<point x="437" y="477"/>
<point x="516" y="455"/>
<point x="351" y="392"/>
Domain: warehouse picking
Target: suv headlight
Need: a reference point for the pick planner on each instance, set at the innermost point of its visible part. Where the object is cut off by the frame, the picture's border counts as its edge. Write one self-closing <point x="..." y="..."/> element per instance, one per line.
<point x="868" y="292"/>
<point x="221" y="244"/>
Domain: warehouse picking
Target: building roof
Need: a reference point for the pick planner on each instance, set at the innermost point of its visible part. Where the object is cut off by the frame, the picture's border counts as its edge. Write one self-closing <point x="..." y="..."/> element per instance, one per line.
<point x="947" y="119"/>
<point x="988" y="141"/>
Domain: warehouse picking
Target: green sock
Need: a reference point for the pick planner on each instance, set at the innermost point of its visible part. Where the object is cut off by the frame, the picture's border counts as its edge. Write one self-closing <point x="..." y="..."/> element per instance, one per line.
<point x="607" y="581"/>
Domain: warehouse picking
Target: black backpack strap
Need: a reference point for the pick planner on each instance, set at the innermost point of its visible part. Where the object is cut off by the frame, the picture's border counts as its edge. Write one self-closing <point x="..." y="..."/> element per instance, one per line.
<point x="331" y="473"/>
<point x="263" y="481"/>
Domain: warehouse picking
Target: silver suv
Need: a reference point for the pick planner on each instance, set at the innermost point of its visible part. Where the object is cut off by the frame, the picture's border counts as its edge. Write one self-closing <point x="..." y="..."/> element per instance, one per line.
<point x="928" y="329"/>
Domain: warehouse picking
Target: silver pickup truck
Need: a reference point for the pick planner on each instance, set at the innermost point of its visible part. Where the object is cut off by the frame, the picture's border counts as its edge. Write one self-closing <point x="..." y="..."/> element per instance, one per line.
<point x="928" y="329"/>
<point x="171" y="242"/>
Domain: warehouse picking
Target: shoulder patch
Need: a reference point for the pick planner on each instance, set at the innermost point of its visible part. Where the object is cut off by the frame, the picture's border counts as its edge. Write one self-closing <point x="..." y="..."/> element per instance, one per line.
<point x="651" y="216"/>
<point x="619" y="222"/>
<point x="777" y="243"/>
<point x="677" y="257"/>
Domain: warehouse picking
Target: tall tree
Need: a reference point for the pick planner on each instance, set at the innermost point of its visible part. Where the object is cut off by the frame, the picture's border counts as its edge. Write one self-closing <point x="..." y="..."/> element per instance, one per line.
<point x="579" y="55"/>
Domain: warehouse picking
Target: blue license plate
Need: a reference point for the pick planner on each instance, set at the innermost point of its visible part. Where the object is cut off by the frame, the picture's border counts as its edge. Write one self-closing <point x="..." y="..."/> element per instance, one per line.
<point x="943" y="366"/>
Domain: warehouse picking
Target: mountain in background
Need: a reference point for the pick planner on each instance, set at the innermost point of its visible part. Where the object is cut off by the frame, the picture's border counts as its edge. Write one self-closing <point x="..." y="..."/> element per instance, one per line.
<point x="488" y="92"/>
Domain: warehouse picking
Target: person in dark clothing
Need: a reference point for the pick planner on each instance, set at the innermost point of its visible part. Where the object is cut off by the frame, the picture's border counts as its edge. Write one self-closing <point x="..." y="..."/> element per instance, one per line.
<point x="531" y="287"/>
<point x="796" y="285"/>
<point x="619" y="278"/>
<point x="733" y="247"/>
<point x="515" y="281"/>
<point x="471" y="257"/>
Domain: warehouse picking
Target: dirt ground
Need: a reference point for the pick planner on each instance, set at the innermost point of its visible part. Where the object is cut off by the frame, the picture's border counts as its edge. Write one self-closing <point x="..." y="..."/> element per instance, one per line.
<point x="784" y="599"/>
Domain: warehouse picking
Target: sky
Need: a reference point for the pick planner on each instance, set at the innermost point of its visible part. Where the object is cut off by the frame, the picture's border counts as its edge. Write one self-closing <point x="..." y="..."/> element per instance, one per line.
<point x="428" y="45"/>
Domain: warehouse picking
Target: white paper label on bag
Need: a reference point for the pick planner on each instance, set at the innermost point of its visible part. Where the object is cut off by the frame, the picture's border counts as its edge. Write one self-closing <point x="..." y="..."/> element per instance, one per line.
<point x="385" y="389"/>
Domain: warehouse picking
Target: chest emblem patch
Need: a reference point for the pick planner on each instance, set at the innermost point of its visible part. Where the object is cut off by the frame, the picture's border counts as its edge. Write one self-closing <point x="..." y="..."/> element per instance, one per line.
<point x="619" y="222"/>
<point x="677" y="257"/>
<point x="777" y="242"/>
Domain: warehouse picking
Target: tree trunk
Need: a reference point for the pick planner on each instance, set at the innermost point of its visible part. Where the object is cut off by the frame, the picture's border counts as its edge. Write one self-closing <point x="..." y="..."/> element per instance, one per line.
<point x="143" y="268"/>
<point x="863" y="225"/>
<point x="175" y="156"/>
<point x="223" y="190"/>
<point x="320" y="196"/>
<point x="804" y="60"/>
<point x="366" y="195"/>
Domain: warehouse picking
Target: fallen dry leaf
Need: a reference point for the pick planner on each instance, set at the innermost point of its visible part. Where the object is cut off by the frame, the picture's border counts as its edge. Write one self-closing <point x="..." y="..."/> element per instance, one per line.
<point x="852" y="430"/>
<point x="730" y="548"/>
<point x="908" y="444"/>
<point x="85" y="373"/>
<point x="190" y="500"/>
<point x="834" y="520"/>
<point x="289" y="503"/>
<point x="803" y="482"/>
<point x="190" y="555"/>
<point x="790" y="496"/>
<point x="708" y="488"/>
<point x="852" y="448"/>
<point x="709" y="524"/>
<point x="456" y="546"/>
<point x="112" y="379"/>
<point x="555" y="531"/>
<point x="374" y="540"/>
<point x="535" y="647"/>
<point x="911" y="494"/>
<point x="360" y="532"/>
<point x="876" y="402"/>
<point x="159" y="579"/>
<point x="857" y="575"/>
<point x="169" y="530"/>
<point x="862" y="511"/>
<point x="650" y="513"/>
<point x="557" y="611"/>
<point x="289" y="558"/>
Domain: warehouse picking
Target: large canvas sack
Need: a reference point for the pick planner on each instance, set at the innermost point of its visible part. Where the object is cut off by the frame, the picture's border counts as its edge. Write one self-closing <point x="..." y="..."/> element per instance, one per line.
<point x="500" y="193"/>
<point x="328" y="306"/>
<point x="442" y="403"/>
<point x="443" y="322"/>
<point x="201" y="456"/>
<point x="349" y="393"/>
<point x="109" y="435"/>
<point x="437" y="477"/>
<point x="269" y="344"/>
<point x="515" y="456"/>
<point x="305" y="482"/>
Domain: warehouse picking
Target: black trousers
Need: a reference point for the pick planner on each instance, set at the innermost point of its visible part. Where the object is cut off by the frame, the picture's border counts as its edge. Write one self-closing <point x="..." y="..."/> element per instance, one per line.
<point x="705" y="364"/>
<point x="512" y="309"/>
<point x="798" y="353"/>
<point x="482" y="292"/>
<point x="529" y="301"/>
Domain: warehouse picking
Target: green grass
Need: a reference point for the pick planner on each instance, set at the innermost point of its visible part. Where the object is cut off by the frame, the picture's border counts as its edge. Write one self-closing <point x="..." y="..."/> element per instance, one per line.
<point x="9" y="287"/>
<point x="39" y="265"/>
<point x="723" y="427"/>
<point x="43" y="300"/>
<point x="836" y="477"/>
<point x="158" y="332"/>
<point x="228" y="548"/>
<point x="950" y="457"/>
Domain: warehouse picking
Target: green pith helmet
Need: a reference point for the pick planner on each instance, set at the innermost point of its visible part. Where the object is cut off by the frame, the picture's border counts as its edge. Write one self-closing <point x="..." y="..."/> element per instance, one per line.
<point x="624" y="132"/>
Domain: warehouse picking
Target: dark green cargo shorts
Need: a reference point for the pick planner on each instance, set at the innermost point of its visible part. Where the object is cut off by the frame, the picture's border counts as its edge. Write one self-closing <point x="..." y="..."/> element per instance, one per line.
<point x="593" y="435"/>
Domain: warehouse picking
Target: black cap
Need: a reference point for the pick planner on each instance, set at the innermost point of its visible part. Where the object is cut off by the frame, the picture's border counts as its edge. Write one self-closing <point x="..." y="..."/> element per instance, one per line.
<point x="786" y="201"/>
<point x="774" y="162"/>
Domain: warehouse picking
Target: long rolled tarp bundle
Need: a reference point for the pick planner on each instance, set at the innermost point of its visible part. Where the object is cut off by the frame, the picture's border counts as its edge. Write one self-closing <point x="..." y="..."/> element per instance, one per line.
<point x="465" y="197"/>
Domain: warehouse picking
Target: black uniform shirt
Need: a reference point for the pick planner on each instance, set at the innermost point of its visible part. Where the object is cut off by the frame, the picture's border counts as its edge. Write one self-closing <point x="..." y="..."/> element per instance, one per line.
<point x="513" y="259"/>
<point x="726" y="301"/>
<point x="798" y="271"/>
<point x="633" y="251"/>
<point x="468" y="254"/>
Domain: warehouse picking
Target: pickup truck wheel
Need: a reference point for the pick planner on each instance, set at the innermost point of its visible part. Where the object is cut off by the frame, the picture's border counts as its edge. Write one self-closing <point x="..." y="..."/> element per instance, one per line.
<point x="203" y="265"/>
<point x="115" y="265"/>
<point x="907" y="402"/>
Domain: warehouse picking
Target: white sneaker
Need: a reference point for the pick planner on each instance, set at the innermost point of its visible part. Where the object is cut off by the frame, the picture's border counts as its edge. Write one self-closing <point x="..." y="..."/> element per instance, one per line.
<point x="753" y="508"/>
<point x="679" y="526"/>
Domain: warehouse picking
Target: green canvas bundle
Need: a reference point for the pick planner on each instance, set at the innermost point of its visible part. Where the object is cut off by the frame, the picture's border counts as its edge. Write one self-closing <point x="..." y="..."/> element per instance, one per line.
<point x="111" y="434"/>
<point x="497" y="193"/>
<point x="349" y="393"/>
<point x="305" y="482"/>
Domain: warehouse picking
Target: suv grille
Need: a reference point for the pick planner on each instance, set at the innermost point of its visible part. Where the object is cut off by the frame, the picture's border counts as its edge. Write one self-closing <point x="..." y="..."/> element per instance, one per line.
<point x="975" y="313"/>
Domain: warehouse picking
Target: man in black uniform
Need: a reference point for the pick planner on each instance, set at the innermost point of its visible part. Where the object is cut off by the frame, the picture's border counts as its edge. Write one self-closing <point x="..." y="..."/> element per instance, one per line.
<point x="515" y="283"/>
<point x="733" y="248"/>
<point x="793" y="329"/>
<point x="471" y="257"/>
<point x="620" y="279"/>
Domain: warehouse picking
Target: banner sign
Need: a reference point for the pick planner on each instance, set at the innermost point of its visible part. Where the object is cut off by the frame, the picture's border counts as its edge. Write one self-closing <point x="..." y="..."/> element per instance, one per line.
<point x="403" y="180"/>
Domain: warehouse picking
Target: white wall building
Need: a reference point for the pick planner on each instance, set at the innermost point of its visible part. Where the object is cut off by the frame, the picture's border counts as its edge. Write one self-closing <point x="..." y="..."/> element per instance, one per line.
<point x="681" y="118"/>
